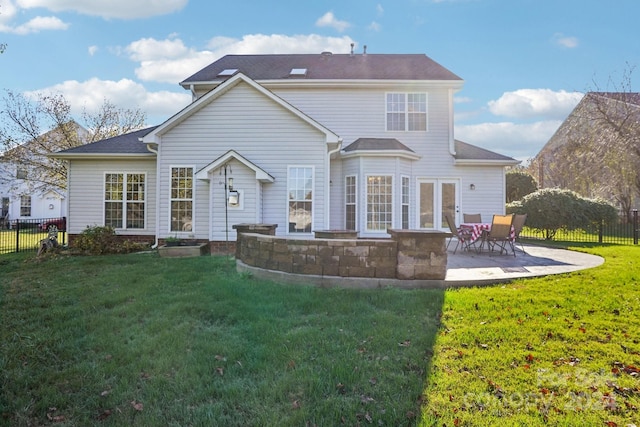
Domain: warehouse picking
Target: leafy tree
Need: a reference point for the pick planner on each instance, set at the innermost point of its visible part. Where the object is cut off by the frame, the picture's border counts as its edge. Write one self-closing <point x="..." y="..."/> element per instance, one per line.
<point x="596" y="151"/>
<point x="519" y="183"/>
<point x="31" y="129"/>
<point x="552" y="209"/>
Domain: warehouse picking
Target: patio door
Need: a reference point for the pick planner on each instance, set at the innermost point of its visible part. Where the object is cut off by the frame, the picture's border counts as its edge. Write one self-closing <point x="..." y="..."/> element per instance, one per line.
<point x="437" y="198"/>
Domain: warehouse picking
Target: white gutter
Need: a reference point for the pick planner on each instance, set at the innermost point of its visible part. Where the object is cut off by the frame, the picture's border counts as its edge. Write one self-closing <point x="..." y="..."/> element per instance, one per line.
<point x="155" y="151"/>
<point x="452" y="142"/>
<point x="327" y="202"/>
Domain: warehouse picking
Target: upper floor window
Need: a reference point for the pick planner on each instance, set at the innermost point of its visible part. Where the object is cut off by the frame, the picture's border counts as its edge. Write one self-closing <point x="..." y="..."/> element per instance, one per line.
<point x="405" y="202"/>
<point x="300" y="189"/>
<point x="21" y="172"/>
<point x="406" y="111"/>
<point x="124" y="200"/>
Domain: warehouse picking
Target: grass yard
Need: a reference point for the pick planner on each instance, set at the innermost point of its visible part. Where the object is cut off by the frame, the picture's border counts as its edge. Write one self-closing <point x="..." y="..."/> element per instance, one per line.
<point x="562" y="350"/>
<point x="143" y="340"/>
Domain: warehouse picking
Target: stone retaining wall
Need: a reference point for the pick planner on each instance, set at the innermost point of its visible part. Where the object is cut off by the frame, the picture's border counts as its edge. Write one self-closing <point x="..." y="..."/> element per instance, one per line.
<point x="408" y="255"/>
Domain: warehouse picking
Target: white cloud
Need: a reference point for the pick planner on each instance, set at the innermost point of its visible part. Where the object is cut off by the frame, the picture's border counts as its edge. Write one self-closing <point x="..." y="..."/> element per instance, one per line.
<point x="122" y="9"/>
<point x="35" y="25"/>
<point x="92" y="50"/>
<point x="124" y="93"/>
<point x="565" y="41"/>
<point x="521" y="141"/>
<point x="374" y="26"/>
<point x="535" y="103"/>
<point x="171" y="61"/>
<point x="329" y="20"/>
<point x="379" y="9"/>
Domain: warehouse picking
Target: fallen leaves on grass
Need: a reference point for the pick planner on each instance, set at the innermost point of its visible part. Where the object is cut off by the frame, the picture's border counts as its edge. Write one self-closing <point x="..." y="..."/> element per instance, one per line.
<point x="138" y="406"/>
<point x="55" y="418"/>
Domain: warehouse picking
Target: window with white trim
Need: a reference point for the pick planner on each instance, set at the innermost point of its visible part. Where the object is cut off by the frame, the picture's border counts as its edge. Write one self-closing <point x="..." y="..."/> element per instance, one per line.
<point x="406" y="111"/>
<point x="300" y="199"/>
<point x="181" y="199"/>
<point x="350" y="193"/>
<point x="25" y="205"/>
<point x="379" y="202"/>
<point x="405" y="202"/>
<point x="125" y="200"/>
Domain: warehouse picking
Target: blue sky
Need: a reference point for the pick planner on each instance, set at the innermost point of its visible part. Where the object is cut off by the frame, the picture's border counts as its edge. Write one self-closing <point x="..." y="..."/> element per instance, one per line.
<point x="525" y="63"/>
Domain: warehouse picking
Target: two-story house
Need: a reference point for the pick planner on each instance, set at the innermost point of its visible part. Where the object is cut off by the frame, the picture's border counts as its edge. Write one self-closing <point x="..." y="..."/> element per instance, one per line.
<point x="309" y="142"/>
<point x="27" y="189"/>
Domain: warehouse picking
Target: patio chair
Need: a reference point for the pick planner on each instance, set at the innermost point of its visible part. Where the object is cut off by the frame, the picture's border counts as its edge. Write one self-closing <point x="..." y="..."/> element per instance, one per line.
<point x="500" y="234"/>
<point x="518" y="223"/>
<point x="471" y="218"/>
<point x="462" y="235"/>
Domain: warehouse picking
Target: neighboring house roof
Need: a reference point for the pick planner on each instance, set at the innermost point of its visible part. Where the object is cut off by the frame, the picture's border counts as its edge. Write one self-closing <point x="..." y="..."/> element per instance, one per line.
<point x="324" y="66"/>
<point x="628" y="97"/>
<point x="126" y="145"/>
<point x="472" y="155"/>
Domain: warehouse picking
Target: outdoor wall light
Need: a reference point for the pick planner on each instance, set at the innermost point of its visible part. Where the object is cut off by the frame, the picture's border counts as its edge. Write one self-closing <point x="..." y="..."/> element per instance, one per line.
<point x="234" y="198"/>
<point x="472" y="186"/>
<point x="230" y="184"/>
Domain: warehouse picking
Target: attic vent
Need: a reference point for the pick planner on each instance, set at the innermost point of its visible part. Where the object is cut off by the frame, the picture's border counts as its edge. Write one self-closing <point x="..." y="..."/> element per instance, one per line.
<point x="298" y="72"/>
<point x="228" y="72"/>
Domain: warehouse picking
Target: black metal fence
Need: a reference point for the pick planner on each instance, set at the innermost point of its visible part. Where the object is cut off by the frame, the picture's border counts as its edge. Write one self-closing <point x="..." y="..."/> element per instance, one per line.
<point x="25" y="234"/>
<point x="623" y="232"/>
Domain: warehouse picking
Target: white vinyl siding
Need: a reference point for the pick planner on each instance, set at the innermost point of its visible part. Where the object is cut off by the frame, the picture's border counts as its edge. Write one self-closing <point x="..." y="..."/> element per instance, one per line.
<point x="264" y="133"/>
<point x="86" y="200"/>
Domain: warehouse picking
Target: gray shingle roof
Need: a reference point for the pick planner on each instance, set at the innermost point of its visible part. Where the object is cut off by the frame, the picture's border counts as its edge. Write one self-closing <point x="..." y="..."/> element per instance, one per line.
<point x="127" y="143"/>
<point x="465" y="151"/>
<point x="327" y="66"/>
<point x="374" y="144"/>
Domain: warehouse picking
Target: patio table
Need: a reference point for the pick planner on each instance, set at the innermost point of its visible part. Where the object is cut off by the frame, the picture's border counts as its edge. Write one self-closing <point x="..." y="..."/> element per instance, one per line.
<point x="478" y="227"/>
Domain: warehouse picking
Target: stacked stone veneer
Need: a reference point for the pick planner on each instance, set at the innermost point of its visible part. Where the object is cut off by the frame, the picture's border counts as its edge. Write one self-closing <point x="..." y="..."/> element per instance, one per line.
<point x="408" y="255"/>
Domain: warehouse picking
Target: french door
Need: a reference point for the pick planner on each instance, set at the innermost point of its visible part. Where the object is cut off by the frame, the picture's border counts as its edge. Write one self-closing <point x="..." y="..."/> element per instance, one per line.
<point x="437" y="198"/>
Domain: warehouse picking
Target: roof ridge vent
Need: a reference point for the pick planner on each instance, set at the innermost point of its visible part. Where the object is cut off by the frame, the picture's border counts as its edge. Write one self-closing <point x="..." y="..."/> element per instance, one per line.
<point x="326" y="53"/>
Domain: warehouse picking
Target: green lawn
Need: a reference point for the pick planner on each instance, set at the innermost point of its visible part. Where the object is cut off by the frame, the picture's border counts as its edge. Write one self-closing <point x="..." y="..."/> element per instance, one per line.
<point x="142" y="340"/>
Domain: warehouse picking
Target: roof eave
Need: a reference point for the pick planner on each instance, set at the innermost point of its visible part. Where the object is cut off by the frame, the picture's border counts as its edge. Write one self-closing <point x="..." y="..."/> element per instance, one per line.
<point x="286" y="83"/>
<point x="101" y="156"/>
<point x="381" y="153"/>
<point x="481" y="162"/>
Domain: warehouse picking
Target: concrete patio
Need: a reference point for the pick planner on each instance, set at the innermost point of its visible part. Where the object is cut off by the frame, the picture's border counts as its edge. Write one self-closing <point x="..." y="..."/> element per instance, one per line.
<point x="469" y="268"/>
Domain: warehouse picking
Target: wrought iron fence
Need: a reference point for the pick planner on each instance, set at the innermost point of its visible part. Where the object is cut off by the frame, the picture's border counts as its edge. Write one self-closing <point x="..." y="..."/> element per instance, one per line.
<point x="625" y="232"/>
<point x="21" y="235"/>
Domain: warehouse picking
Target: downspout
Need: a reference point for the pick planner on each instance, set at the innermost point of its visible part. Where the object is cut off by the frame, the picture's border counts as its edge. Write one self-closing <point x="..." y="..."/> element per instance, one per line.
<point x="155" y="151"/>
<point x="452" y="143"/>
<point x="328" y="192"/>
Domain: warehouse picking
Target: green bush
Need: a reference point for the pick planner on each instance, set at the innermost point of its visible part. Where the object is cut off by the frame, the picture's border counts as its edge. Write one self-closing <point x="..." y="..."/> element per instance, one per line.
<point x="552" y="209"/>
<point x="519" y="184"/>
<point x="99" y="240"/>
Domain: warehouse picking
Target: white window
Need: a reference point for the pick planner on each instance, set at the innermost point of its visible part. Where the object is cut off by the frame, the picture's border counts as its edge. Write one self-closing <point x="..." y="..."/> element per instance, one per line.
<point x="300" y="206"/>
<point x="350" y="192"/>
<point x="124" y="200"/>
<point x="21" y="172"/>
<point x="379" y="202"/>
<point x="25" y="205"/>
<point x="405" y="202"/>
<point x="406" y="111"/>
<point x="181" y="199"/>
